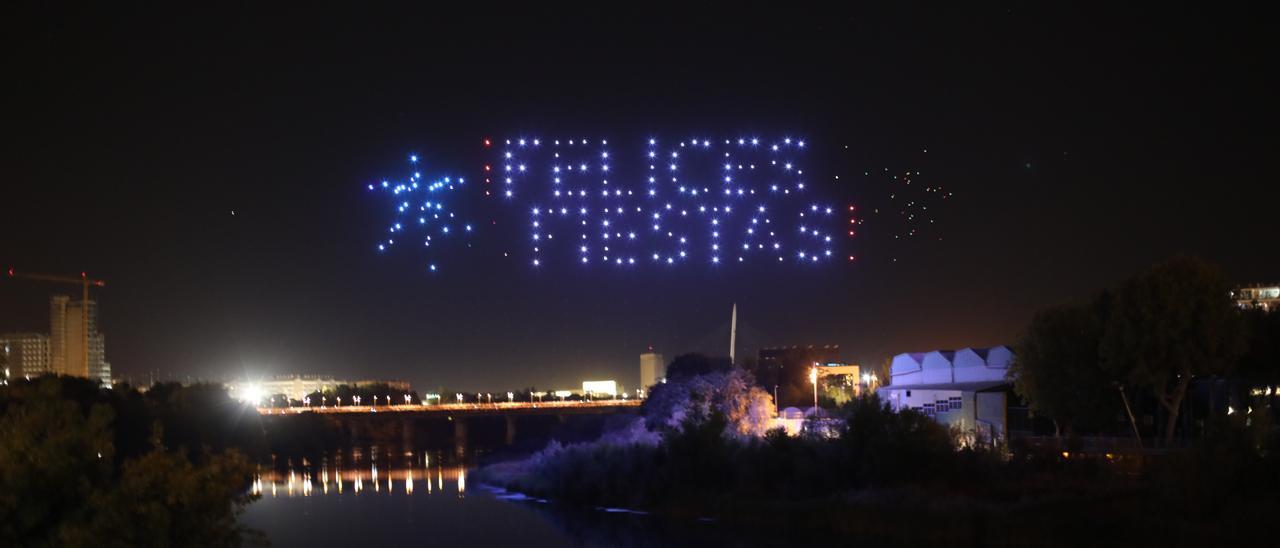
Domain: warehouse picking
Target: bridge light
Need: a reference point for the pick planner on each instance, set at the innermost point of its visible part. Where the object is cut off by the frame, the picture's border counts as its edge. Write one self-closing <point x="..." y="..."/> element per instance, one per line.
<point x="252" y="394"/>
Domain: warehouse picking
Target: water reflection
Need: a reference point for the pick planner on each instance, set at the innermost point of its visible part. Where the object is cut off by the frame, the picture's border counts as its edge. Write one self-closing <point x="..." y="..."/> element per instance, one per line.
<point x="332" y="475"/>
<point x="374" y="496"/>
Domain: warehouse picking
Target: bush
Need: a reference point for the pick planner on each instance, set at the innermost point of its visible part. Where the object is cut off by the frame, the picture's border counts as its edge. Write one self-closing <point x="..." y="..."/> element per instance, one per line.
<point x="64" y="481"/>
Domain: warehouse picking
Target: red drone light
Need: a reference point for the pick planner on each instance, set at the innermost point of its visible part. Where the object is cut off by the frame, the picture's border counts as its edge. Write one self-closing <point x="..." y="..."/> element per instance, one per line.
<point x="488" y="143"/>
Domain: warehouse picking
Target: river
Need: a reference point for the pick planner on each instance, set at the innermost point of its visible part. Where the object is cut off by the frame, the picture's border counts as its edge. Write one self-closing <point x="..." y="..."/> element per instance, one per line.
<point x="380" y="497"/>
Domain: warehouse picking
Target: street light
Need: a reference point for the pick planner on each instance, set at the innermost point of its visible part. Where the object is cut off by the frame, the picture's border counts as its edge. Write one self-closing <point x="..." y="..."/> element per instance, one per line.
<point x="813" y="378"/>
<point x="511" y="397"/>
<point x="870" y="379"/>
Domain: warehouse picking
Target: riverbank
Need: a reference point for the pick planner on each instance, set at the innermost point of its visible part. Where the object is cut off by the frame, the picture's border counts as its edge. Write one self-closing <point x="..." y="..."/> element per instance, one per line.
<point x="896" y="479"/>
<point x="1097" y="514"/>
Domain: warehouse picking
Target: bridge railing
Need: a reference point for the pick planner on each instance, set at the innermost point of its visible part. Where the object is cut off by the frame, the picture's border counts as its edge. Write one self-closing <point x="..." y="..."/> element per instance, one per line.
<point x="444" y="407"/>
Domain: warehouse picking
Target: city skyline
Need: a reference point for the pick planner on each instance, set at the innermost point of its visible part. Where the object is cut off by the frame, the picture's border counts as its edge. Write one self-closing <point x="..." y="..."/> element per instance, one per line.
<point x="215" y="172"/>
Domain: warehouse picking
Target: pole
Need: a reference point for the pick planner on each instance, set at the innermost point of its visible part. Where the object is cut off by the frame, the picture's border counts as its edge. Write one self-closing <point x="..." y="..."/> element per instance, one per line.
<point x="733" y="334"/>
<point x="813" y="376"/>
<point x="1133" y="422"/>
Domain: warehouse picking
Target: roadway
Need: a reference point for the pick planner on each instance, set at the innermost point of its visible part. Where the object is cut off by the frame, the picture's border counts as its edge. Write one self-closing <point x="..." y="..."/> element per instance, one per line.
<point x="496" y="408"/>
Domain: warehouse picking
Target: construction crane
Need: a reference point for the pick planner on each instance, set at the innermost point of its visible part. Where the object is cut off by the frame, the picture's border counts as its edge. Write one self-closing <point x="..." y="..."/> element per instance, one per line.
<point x="84" y="281"/>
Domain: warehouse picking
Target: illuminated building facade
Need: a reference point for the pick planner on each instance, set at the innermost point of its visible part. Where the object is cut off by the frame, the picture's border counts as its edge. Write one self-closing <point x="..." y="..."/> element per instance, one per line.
<point x="600" y="388"/>
<point x="652" y="369"/>
<point x="1266" y="297"/>
<point x="67" y="321"/>
<point x="58" y="334"/>
<point x="296" y="387"/>
<point x="966" y="388"/>
<point x="292" y="386"/>
<point x="786" y="369"/>
<point x="26" y="354"/>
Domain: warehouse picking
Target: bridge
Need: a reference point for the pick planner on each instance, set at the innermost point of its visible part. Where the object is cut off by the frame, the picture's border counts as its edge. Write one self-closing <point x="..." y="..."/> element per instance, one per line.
<point x="357" y="419"/>
<point x="451" y="409"/>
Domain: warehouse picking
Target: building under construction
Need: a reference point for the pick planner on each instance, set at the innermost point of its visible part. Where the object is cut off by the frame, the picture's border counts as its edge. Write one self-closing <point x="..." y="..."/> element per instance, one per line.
<point x="62" y="351"/>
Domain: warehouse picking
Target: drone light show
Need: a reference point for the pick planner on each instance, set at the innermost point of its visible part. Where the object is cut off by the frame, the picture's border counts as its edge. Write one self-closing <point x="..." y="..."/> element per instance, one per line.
<point x="583" y="201"/>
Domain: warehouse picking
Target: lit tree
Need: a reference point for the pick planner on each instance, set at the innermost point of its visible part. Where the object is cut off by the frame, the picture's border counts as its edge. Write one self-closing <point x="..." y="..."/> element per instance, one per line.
<point x="703" y="387"/>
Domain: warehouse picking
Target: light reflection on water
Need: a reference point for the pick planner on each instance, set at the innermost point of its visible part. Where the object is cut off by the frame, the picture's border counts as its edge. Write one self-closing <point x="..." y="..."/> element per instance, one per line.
<point x="373" y="497"/>
<point x="334" y="475"/>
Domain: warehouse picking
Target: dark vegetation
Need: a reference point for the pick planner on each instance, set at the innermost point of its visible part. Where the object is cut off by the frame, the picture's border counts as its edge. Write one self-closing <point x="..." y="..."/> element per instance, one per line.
<point x="1153" y="337"/>
<point x="903" y="478"/>
<point x="898" y="477"/>
<point x="85" y="466"/>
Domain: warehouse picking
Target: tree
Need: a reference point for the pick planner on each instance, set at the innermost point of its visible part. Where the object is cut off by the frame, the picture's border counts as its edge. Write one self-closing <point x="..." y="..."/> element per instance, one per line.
<point x="1169" y="325"/>
<point x="1057" y="368"/>
<point x="63" y="482"/>
<point x="1261" y="363"/>
<point x="163" y="499"/>
<point x="884" y="447"/>
<point x="691" y="365"/>
<point x="53" y="456"/>
<point x="732" y="393"/>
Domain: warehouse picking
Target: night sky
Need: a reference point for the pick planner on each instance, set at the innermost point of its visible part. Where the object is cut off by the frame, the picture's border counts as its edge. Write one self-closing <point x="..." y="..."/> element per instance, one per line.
<point x="1081" y="145"/>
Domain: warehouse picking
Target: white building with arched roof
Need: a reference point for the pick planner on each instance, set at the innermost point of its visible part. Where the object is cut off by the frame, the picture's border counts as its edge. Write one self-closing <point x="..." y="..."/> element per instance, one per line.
<point x="967" y="389"/>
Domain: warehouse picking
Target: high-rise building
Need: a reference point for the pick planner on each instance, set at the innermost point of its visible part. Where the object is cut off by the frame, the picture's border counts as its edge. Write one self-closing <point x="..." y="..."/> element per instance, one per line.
<point x="786" y="369"/>
<point x="68" y="321"/>
<point x="58" y="334"/>
<point x="781" y="358"/>
<point x="26" y="354"/>
<point x="652" y="368"/>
